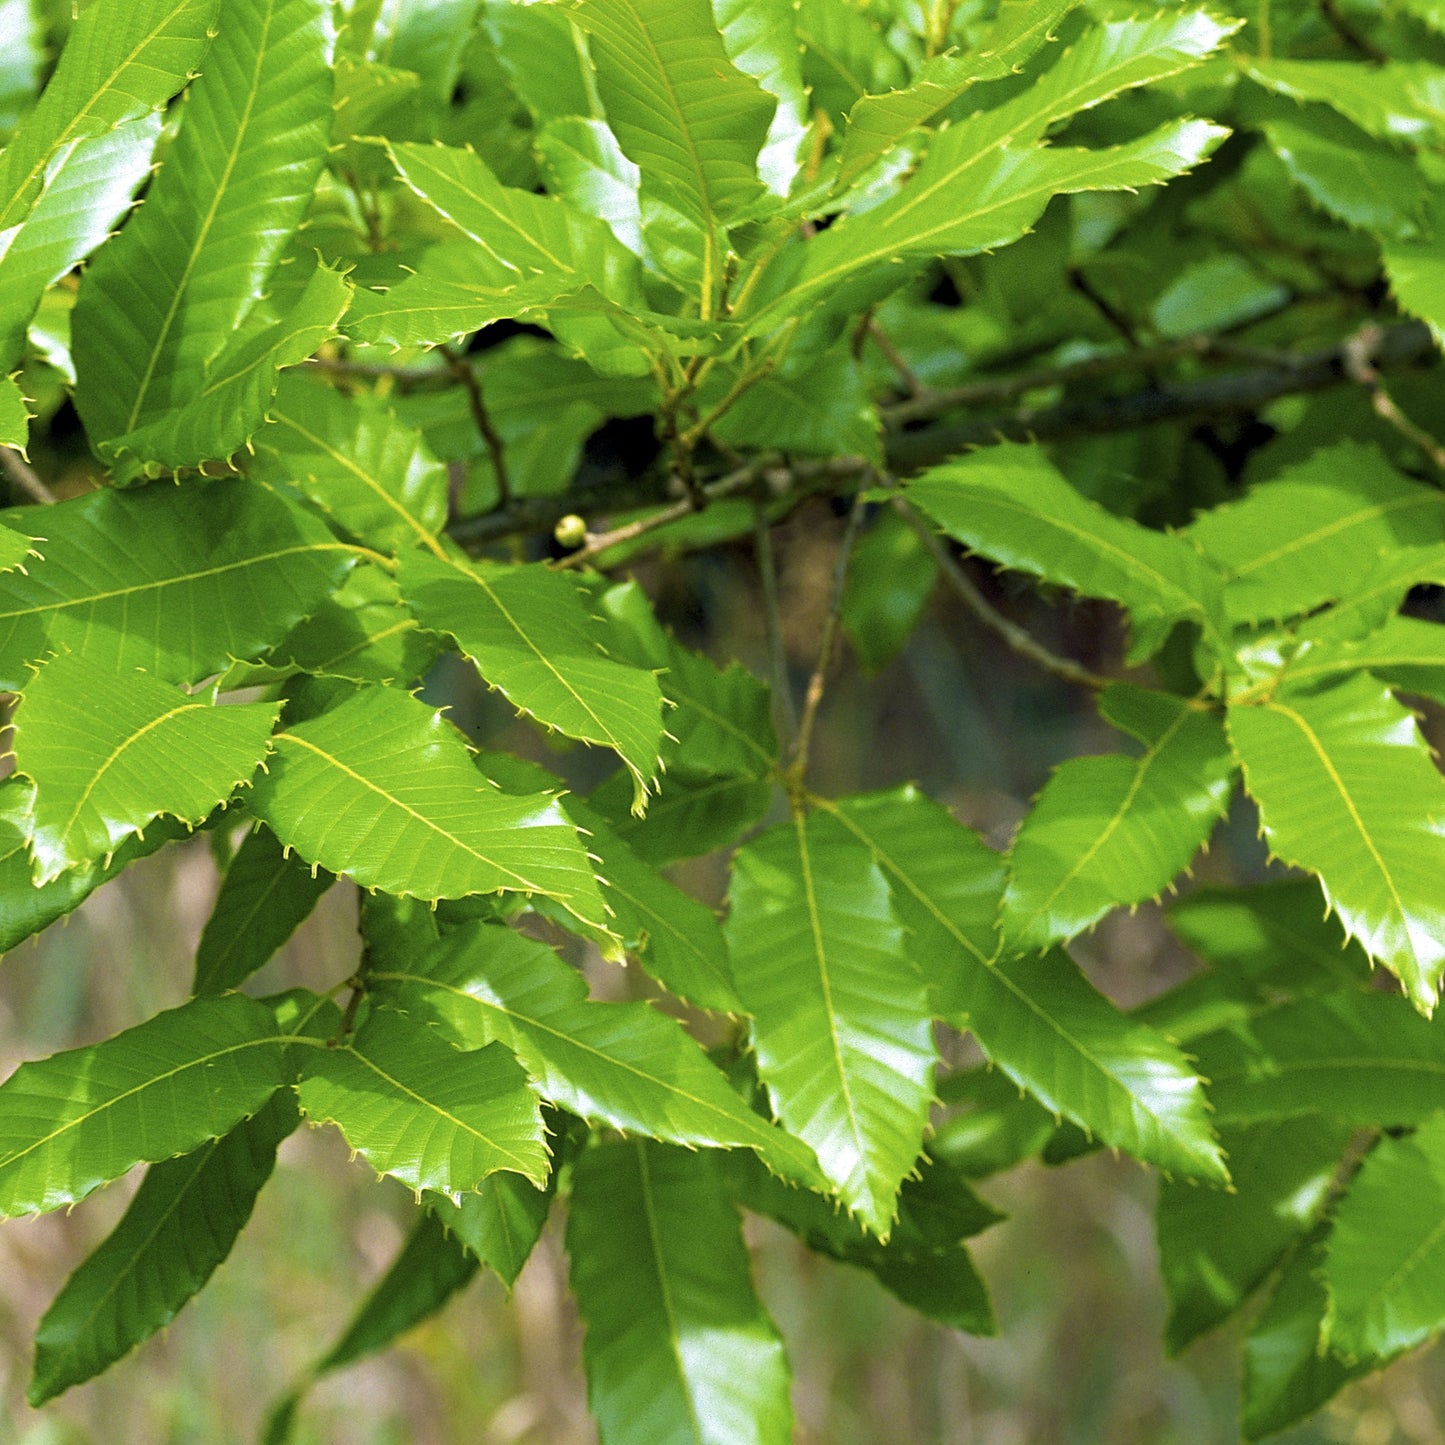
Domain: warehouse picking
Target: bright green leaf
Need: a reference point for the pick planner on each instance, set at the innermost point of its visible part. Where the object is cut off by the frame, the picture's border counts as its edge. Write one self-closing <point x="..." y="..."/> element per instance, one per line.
<point x="678" y="1347"/>
<point x="77" y="1120"/>
<point x="1346" y="787"/>
<point x="840" y="1017"/>
<point x="623" y="1064"/>
<point x="381" y="789"/>
<point x="108" y="752"/>
<point x="531" y="635"/>
<point x="179" y="1226"/>
<point x="1116" y="830"/>
<point x="423" y="1112"/>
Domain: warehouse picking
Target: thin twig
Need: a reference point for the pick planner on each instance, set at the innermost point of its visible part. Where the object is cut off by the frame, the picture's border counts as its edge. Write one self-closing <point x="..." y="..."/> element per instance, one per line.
<point x="1020" y="641"/>
<point x="1360" y="367"/>
<point x="23" y="477"/>
<point x="749" y="379"/>
<point x="1354" y="38"/>
<point x="488" y="433"/>
<point x="895" y="358"/>
<point x="819" y="680"/>
<point x="784" y="712"/>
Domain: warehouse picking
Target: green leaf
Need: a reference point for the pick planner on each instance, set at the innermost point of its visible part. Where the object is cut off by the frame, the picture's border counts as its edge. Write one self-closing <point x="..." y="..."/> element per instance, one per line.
<point x="822" y="409"/>
<point x="762" y="41"/>
<point x="1385" y="1260"/>
<point x="1116" y="830"/>
<point x="1406" y="652"/>
<point x="374" y="475"/>
<point x="1037" y="1018"/>
<point x="179" y="1226"/>
<point x="381" y="789"/>
<point x="1288" y="1371"/>
<point x="1347" y="789"/>
<point x="16" y="549"/>
<point x="721" y="719"/>
<point x="14" y="415"/>
<point x="1215" y="1246"/>
<point x="159" y="306"/>
<point x="622" y="1064"/>
<point x="529" y="239"/>
<point x="1316" y="533"/>
<point x="1218" y="293"/>
<point x="693" y="814"/>
<point x="217" y="418"/>
<point x="678" y="1347"/>
<point x="690" y="120"/>
<point x="86" y="189"/>
<point x="1377" y="98"/>
<point x="30" y="908"/>
<point x="845" y="56"/>
<point x="891" y="576"/>
<point x="925" y="1262"/>
<point x="264" y="896"/>
<point x="423" y="1112"/>
<point x="1009" y="503"/>
<point x="962" y="200"/>
<point x="1359" y="181"/>
<point x="431" y="1266"/>
<point x="501" y="1223"/>
<point x="1276" y="933"/>
<point x="1366" y="1059"/>
<point x="362" y="632"/>
<point x="531" y="635"/>
<point x="20" y="64"/>
<point x="77" y="1120"/>
<point x="124" y="58"/>
<point x="108" y="752"/>
<point x="676" y="938"/>
<point x="876" y="123"/>
<point x="177" y="580"/>
<point x="840" y="1017"/>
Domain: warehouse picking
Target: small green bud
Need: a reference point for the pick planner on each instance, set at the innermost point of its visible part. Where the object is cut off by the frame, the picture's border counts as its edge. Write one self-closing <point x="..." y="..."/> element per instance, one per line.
<point x="570" y="531"/>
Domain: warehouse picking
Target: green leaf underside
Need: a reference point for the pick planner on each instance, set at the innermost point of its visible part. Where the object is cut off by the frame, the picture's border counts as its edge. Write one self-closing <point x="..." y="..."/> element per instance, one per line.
<point x="500" y="1223"/>
<point x="264" y="897"/>
<point x="1288" y="1371"/>
<point x="1366" y="1059"/>
<point x="175" y="580"/>
<point x="676" y="938"/>
<point x="685" y="115"/>
<point x="372" y="473"/>
<point x="381" y="789"/>
<point x="961" y="201"/>
<point x="1385" y="1260"/>
<point x="84" y="192"/>
<point x="678" y="1347"/>
<point x="1217" y="1246"/>
<point x="621" y="1064"/>
<point x="77" y="1120"/>
<point x="876" y="123"/>
<point x="30" y="908"/>
<point x="179" y="1226"/>
<point x="1346" y="788"/>
<point x="925" y="1262"/>
<point x="1037" y="1018"/>
<point x="840" y="1016"/>
<point x="1315" y="534"/>
<point x="159" y="306"/>
<point x="1010" y="504"/>
<point x="124" y="58"/>
<point x="1115" y="830"/>
<point x="108" y="752"/>
<point x="417" y="1109"/>
<point x="531" y="636"/>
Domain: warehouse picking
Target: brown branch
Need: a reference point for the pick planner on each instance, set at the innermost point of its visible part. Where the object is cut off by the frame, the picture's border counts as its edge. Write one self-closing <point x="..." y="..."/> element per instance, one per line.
<point x="813" y="698"/>
<point x="1227" y="394"/>
<point x="464" y="373"/>
<point x="1361" y="369"/>
<point x="1013" y="635"/>
<point x="23" y="477"/>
